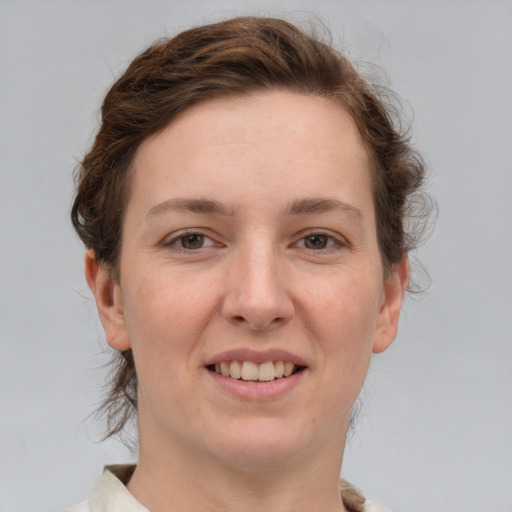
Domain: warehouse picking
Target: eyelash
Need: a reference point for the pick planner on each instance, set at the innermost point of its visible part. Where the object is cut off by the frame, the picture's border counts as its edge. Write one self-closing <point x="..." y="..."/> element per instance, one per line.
<point x="332" y="243"/>
<point x="177" y="241"/>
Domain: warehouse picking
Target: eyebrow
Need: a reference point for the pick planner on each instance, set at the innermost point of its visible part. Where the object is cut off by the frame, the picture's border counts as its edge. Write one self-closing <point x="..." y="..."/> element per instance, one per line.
<point x="321" y="205"/>
<point x="199" y="206"/>
<point x="210" y="207"/>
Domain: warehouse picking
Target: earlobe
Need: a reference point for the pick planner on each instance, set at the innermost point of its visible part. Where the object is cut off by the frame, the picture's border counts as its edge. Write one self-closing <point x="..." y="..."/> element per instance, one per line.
<point x="107" y="294"/>
<point x="389" y="313"/>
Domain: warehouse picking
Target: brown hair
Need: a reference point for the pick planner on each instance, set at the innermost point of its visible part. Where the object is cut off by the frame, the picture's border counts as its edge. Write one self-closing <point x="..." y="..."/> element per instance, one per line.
<point x="233" y="57"/>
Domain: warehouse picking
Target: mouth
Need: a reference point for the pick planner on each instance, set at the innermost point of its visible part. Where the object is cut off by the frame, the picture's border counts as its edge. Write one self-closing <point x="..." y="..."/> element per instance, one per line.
<point x="251" y="371"/>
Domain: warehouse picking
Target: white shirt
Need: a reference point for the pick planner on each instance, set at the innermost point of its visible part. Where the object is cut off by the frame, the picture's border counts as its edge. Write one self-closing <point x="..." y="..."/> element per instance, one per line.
<point x="111" y="495"/>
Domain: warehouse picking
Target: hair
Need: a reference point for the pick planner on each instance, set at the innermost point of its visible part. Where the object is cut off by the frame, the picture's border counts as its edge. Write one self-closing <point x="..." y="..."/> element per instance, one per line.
<point x="235" y="57"/>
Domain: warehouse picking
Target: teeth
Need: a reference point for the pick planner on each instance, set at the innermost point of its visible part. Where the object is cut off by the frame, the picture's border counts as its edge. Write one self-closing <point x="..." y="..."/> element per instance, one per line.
<point x="266" y="372"/>
<point x="249" y="370"/>
<point x="288" y="368"/>
<point x="224" y="369"/>
<point x="235" y="370"/>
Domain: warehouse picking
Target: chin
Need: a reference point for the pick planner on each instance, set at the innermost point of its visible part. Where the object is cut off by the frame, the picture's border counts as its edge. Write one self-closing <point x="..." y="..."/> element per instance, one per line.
<point x="262" y="443"/>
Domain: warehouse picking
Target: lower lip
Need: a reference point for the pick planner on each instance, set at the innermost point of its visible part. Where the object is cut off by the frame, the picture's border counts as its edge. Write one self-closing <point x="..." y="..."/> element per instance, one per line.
<point x="252" y="390"/>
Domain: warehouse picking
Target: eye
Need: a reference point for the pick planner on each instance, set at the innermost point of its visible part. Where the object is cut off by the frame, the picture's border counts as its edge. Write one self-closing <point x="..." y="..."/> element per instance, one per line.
<point x="191" y="241"/>
<point x="317" y="241"/>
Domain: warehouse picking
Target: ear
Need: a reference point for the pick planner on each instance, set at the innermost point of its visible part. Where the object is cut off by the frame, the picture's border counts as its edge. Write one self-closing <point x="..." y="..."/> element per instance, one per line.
<point x="389" y="313"/>
<point x="107" y="293"/>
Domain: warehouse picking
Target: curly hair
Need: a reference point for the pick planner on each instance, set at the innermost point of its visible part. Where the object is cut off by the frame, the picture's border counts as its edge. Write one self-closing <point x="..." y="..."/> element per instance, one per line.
<point x="233" y="57"/>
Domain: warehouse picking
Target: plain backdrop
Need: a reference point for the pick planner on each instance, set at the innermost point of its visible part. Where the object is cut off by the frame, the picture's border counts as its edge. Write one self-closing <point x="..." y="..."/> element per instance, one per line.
<point x="435" y="431"/>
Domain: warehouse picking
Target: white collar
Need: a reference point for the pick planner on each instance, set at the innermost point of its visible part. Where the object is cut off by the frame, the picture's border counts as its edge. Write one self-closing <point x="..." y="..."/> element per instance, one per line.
<point x="111" y="495"/>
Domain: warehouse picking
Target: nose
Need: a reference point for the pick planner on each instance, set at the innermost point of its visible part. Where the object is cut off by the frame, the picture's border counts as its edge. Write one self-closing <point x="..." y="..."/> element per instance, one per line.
<point x="257" y="292"/>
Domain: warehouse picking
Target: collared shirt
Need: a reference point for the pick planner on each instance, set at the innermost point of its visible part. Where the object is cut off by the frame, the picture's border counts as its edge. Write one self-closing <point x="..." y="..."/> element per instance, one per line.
<point x="111" y="495"/>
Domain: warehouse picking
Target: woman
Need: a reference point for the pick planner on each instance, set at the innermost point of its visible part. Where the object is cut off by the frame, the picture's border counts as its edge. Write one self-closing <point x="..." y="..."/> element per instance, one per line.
<point x="243" y="208"/>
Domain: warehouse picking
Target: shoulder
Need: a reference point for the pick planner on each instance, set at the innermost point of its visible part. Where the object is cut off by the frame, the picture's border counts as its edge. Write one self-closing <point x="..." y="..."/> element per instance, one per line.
<point x="79" y="507"/>
<point x="110" y="493"/>
<point x="373" y="506"/>
<point x="354" y="500"/>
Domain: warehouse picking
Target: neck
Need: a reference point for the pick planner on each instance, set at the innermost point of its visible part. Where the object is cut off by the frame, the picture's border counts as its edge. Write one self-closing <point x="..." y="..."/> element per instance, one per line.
<point x="177" y="478"/>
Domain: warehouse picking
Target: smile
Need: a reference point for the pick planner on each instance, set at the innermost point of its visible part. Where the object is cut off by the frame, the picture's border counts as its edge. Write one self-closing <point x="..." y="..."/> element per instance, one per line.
<point x="251" y="371"/>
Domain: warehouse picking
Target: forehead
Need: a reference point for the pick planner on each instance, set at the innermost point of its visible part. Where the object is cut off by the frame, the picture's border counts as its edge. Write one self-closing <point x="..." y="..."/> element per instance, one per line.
<point x="275" y="143"/>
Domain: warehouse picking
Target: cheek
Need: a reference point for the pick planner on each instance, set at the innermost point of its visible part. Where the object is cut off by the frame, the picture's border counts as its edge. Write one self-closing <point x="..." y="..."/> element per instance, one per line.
<point x="343" y="318"/>
<point x="160" y="325"/>
<point x="165" y="315"/>
<point x="347" y="304"/>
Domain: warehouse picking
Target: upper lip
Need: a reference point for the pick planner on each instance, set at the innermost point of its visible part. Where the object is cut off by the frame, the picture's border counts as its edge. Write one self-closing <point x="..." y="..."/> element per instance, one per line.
<point x="256" y="356"/>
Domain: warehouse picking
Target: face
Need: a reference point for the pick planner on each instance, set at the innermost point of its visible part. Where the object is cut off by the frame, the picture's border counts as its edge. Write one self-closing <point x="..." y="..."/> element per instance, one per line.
<point x="251" y="287"/>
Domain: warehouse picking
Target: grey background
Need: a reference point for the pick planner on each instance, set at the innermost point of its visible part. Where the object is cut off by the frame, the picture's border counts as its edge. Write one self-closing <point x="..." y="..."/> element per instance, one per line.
<point x="435" y="432"/>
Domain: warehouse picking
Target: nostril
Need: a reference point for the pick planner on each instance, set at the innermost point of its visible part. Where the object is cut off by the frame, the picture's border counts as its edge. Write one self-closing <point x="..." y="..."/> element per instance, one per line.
<point x="240" y="319"/>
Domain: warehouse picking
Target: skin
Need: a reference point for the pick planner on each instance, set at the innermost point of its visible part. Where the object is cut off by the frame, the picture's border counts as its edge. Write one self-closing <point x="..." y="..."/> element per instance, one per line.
<point x="285" y="171"/>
